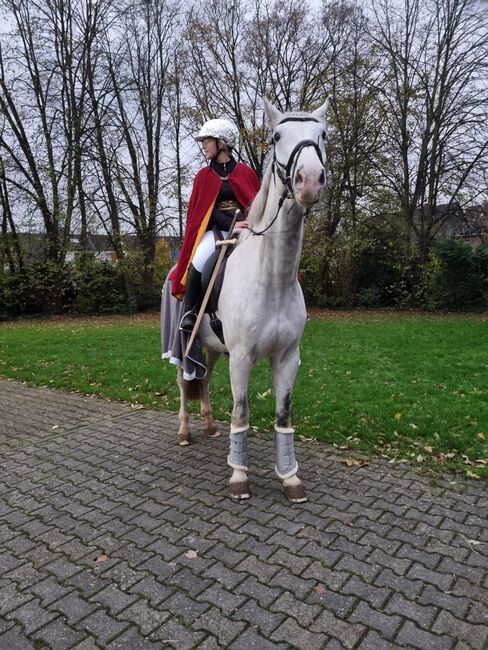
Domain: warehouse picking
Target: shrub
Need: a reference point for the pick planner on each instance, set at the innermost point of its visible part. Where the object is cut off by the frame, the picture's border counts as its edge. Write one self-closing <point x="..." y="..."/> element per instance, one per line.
<point x="97" y="287"/>
<point x="458" y="282"/>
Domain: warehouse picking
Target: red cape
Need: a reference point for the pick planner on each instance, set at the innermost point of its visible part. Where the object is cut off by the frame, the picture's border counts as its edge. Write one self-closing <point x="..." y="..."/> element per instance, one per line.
<point x="206" y="186"/>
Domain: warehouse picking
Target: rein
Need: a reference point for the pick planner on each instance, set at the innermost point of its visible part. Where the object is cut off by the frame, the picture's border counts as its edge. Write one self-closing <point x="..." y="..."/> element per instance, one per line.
<point x="286" y="177"/>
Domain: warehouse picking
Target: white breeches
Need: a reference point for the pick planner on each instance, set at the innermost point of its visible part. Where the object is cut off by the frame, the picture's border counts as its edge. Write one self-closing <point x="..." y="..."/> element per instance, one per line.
<point x="205" y="248"/>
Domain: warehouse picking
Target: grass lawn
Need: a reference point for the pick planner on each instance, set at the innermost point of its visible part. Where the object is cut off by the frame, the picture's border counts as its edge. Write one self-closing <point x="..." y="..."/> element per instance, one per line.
<point x="412" y="388"/>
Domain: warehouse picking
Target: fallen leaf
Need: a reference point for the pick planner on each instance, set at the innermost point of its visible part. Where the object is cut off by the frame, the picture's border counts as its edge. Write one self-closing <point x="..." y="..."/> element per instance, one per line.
<point x="319" y="589"/>
<point x="428" y="449"/>
<point x="398" y="416"/>
<point x="351" y="462"/>
<point x="471" y="474"/>
<point x="420" y="458"/>
<point x="191" y="555"/>
<point x="479" y="435"/>
<point x="101" y="558"/>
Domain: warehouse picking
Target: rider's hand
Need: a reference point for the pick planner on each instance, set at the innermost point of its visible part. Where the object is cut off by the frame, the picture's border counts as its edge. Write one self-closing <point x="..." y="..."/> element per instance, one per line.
<point x="241" y="224"/>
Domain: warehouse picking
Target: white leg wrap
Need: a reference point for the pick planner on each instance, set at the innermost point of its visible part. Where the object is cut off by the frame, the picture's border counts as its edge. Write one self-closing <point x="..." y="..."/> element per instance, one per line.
<point x="286" y="464"/>
<point x="237" y="458"/>
<point x="234" y="429"/>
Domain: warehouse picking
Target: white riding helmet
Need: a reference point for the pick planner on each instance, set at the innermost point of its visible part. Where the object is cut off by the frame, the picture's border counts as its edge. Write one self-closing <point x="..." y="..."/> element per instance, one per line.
<point x="221" y="129"/>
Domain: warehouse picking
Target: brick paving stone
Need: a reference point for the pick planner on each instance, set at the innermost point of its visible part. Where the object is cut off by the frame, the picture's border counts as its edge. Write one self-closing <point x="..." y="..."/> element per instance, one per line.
<point x="304" y="612"/>
<point x="73" y="607"/>
<point x="387" y="624"/>
<point x="328" y="577"/>
<point x="473" y="574"/>
<point x="103" y="627"/>
<point x="262" y="570"/>
<point x="133" y="640"/>
<point x="189" y="582"/>
<point x="290" y="632"/>
<point x="347" y="633"/>
<point x="15" y="640"/>
<point x="227" y="555"/>
<point x="478" y="613"/>
<point x="24" y="575"/>
<point x="441" y="580"/>
<point x="287" y="581"/>
<point x="263" y="619"/>
<point x="420" y="614"/>
<point x="62" y="568"/>
<point x="172" y="634"/>
<point x="408" y="586"/>
<point x="220" y="626"/>
<point x="250" y="639"/>
<point x="474" y="635"/>
<point x="113" y="599"/>
<point x="57" y="635"/>
<point x="373" y="641"/>
<point x="393" y="562"/>
<point x="375" y="596"/>
<point x="412" y="635"/>
<point x="263" y="594"/>
<point x="87" y="582"/>
<point x="125" y="576"/>
<point x="32" y="616"/>
<point x="226" y="601"/>
<point x="146" y="617"/>
<point x="226" y="577"/>
<point x="456" y="605"/>
<point x="358" y="567"/>
<point x="185" y="608"/>
<point x="331" y="600"/>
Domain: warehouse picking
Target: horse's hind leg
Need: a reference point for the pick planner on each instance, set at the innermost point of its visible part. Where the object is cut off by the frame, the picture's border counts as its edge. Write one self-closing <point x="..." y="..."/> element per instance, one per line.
<point x="237" y="459"/>
<point x="285" y="368"/>
<point x="211" y="428"/>
<point x="184" y="436"/>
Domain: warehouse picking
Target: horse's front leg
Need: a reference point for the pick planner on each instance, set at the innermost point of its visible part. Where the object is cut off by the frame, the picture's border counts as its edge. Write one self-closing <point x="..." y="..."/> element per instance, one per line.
<point x="184" y="435"/>
<point x="285" y="366"/>
<point x="211" y="428"/>
<point x="240" y="368"/>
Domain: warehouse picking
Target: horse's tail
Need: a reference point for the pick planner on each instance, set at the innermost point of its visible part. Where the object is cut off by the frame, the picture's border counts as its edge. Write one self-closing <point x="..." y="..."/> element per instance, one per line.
<point x="193" y="389"/>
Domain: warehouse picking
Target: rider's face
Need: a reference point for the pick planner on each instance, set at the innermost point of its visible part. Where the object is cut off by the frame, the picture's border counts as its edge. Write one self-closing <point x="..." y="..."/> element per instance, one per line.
<point x="209" y="146"/>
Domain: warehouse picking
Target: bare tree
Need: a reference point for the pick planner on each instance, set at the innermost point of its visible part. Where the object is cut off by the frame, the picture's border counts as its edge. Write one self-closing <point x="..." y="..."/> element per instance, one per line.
<point x="433" y="98"/>
<point x="138" y="61"/>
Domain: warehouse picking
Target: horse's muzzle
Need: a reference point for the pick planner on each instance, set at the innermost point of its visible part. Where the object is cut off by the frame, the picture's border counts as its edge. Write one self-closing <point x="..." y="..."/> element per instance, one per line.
<point x="308" y="186"/>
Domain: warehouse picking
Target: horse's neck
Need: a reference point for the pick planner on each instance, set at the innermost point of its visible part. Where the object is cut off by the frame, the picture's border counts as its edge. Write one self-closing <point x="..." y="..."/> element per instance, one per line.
<point x="281" y="245"/>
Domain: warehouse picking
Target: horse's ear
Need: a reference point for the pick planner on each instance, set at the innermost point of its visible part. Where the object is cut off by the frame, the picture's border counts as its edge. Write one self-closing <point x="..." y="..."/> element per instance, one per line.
<point x="321" y="112"/>
<point x="271" y="113"/>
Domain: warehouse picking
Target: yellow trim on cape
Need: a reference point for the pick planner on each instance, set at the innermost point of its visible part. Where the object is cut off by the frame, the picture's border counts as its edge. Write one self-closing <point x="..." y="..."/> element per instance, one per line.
<point x="200" y="233"/>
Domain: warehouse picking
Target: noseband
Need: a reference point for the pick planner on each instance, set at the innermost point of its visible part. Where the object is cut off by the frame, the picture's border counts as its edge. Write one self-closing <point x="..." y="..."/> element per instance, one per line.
<point x="284" y="172"/>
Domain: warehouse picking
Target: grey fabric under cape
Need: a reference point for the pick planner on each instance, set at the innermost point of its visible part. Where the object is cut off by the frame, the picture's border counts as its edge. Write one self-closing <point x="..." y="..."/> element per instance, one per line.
<point x="174" y="341"/>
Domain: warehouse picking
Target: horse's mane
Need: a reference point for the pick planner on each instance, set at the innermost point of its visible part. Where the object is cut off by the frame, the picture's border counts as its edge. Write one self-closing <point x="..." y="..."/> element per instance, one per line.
<point x="256" y="210"/>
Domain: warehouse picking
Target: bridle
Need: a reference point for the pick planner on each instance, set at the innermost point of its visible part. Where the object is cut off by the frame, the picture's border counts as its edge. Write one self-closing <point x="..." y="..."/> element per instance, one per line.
<point x="286" y="172"/>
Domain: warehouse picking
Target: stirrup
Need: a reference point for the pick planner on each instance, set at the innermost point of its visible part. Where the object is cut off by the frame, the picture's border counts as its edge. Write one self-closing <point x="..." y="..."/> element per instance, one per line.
<point x="187" y="322"/>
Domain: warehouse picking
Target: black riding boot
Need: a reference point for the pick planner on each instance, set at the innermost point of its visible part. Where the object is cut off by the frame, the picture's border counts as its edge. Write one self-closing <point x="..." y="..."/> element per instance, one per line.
<point x="192" y="299"/>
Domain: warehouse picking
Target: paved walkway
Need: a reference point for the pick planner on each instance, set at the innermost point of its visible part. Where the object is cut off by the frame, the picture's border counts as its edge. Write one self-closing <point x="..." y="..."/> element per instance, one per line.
<point x="111" y="536"/>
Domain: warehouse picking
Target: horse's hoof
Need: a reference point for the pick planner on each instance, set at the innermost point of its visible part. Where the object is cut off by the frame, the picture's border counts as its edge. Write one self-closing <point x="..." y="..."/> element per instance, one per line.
<point x="184" y="439"/>
<point x="295" y="493"/>
<point x="239" y="491"/>
<point x="213" y="432"/>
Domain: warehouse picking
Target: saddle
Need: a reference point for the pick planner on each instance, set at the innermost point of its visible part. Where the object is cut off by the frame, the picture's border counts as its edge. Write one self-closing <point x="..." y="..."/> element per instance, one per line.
<point x="207" y="271"/>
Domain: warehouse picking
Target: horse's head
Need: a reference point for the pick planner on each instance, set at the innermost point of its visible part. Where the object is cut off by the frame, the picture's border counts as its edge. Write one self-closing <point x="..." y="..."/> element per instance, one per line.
<point x="298" y="141"/>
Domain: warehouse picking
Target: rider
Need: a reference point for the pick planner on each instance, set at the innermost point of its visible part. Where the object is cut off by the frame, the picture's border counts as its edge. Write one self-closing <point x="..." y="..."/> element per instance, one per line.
<point x="219" y="189"/>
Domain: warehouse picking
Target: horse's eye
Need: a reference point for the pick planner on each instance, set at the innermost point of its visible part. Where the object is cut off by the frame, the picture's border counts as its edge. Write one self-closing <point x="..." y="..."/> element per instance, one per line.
<point x="276" y="137"/>
<point x="323" y="134"/>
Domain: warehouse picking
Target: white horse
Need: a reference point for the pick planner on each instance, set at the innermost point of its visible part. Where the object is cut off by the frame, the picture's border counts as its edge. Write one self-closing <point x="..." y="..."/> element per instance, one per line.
<point x="261" y="304"/>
